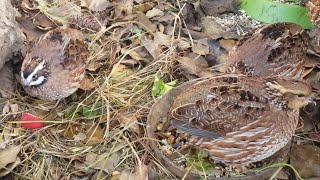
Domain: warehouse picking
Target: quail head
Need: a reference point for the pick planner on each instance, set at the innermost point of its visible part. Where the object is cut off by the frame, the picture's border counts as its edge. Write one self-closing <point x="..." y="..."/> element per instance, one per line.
<point x="277" y="49"/>
<point x="54" y="67"/>
<point x="239" y="119"/>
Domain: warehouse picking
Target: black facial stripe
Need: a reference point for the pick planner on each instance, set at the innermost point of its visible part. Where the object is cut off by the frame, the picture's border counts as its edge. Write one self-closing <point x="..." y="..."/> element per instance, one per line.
<point x="26" y="74"/>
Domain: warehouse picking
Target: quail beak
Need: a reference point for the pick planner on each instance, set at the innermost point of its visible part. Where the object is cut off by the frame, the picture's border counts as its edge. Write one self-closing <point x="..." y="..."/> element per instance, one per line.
<point x="312" y="100"/>
<point x="24" y="82"/>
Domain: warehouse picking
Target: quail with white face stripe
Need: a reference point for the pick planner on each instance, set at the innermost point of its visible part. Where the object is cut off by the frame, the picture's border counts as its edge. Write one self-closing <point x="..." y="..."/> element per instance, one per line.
<point x="54" y="67"/>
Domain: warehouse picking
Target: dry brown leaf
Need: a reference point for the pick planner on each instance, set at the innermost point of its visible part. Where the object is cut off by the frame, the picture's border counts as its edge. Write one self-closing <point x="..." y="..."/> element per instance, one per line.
<point x="42" y="21"/>
<point x="193" y="66"/>
<point x="141" y="173"/>
<point x="123" y="8"/>
<point x="9" y="155"/>
<point x="10" y="108"/>
<point x="201" y="47"/>
<point x="213" y="29"/>
<point x="152" y="47"/>
<point x="305" y="158"/>
<point x="154" y="12"/>
<point x="145" y="22"/>
<point x="96" y="5"/>
<point x="143" y="7"/>
<point x="312" y="61"/>
<point x="61" y="11"/>
<point x="132" y="53"/>
<point x="184" y="44"/>
<point x="69" y="131"/>
<point x="6" y="109"/>
<point x="227" y="44"/>
<point x="313" y="78"/>
<point x="120" y="70"/>
<point x="307" y="72"/>
<point x="80" y="136"/>
<point x="129" y="120"/>
<point x="94" y="136"/>
<point x="218" y="7"/>
<point x="10" y="167"/>
<point x="6" y="135"/>
<point x="7" y="87"/>
<point x="162" y="39"/>
<point x="99" y="161"/>
<point x="87" y="83"/>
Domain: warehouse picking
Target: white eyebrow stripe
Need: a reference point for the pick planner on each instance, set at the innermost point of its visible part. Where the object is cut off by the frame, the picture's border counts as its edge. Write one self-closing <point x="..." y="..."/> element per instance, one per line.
<point x="37" y="82"/>
<point x="39" y="67"/>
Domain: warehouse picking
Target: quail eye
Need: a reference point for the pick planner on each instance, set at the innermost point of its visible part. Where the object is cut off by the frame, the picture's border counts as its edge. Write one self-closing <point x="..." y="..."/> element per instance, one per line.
<point x="300" y="95"/>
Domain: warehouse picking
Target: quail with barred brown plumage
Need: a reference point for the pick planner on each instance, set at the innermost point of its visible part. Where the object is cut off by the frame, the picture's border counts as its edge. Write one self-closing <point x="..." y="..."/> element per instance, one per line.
<point x="239" y="119"/>
<point x="54" y="67"/>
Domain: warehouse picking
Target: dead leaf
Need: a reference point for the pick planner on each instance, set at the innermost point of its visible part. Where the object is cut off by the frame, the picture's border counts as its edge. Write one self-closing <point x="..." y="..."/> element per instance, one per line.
<point x="213" y="29"/>
<point x="152" y="47"/>
<point x="60" y="11"/>
<point x="154" y="12"/>
<point x="7" y="87"/>
<point x="194" y="66"/>
<point x="305" y="158"/>
<point x="80" y="136"/>
<point x="143" y="7"/>
<point x="145" y="22"/>
<point x="69" y="131"/>
<point x="307" y="72"/>
<point x="97" y="5"/>
<point x="129" y="120"/>
<point x="201" y="47"/>
<point x="99" y="161"/>
<point x="162" y="39"/>
<point x="7" y="134"/>
<point x="218" y="7"/>
<point x="184" y="44"/>
<point x="10" y="108"/>
<point x="9" y="155"/>
<point x="313" y="78"/>
<point x="123" y="8"/>
<point x="94" y="136"/>
<point x="87" y="83"/>
<point x="10" y="167"/>
<point x="132" y="53"/>
<point x="311" y="61"/>
<point x="6" y="109"/>
<point x="42" y="21"/>
<point x="227" y="44"/>
<point x="141" y="173"/>
<point x="120" y="70"/>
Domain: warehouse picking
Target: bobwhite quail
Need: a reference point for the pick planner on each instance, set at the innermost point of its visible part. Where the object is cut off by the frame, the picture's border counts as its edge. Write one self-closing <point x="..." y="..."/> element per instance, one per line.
<point x="239" y="119"/>
<point x="54" y="67"/>
<point x="277" y="49"/>
<point x="314" y="11"/>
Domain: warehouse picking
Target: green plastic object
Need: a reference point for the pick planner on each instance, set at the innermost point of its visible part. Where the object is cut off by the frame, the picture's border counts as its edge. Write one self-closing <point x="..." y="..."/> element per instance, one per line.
<point x="267" y="11"/>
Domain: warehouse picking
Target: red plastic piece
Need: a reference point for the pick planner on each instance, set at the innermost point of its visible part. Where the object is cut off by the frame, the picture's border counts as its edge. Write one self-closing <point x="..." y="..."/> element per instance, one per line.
<point x="31" y="125"/>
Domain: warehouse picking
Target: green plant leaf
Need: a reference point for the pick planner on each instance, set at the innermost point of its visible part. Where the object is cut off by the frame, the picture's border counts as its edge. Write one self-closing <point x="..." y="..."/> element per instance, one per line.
<point x="269" y="12"/>
<point x="196" y="159"/>
<point x="159" y="87"/>
<point x="90" y="112"/>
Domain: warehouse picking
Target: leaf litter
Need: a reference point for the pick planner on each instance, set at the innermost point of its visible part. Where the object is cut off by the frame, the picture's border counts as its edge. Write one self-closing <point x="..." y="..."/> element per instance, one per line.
<point x="138" y="51"/>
